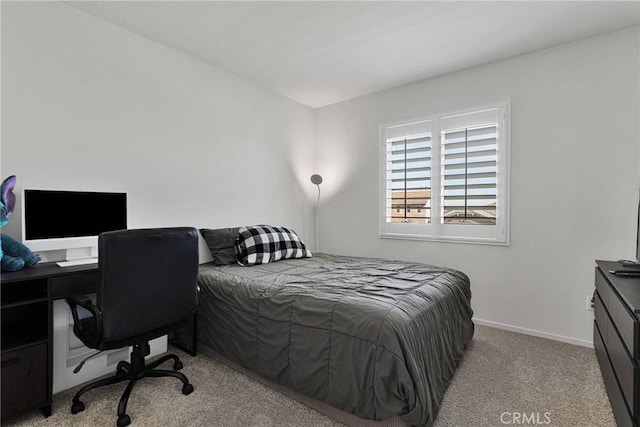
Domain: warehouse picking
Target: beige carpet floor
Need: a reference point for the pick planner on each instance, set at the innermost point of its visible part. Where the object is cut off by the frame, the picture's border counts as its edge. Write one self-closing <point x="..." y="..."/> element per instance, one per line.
<point x="508" y="372"/>
<point x="502" y="375"/>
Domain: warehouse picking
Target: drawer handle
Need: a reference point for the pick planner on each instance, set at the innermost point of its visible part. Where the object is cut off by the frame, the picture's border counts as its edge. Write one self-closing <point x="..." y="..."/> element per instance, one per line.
<point x="10" y="362"/>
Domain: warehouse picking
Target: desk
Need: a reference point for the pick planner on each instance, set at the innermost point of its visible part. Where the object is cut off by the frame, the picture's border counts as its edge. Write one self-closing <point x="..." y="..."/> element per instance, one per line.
<point x="27" y="331"/>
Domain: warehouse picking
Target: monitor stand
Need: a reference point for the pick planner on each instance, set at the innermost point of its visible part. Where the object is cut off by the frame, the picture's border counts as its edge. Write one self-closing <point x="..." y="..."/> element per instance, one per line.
<point x="78" y="253"/>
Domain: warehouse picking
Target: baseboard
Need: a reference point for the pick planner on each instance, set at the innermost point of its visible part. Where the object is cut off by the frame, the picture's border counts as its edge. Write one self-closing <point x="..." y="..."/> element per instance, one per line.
<point x="533" y="332"/>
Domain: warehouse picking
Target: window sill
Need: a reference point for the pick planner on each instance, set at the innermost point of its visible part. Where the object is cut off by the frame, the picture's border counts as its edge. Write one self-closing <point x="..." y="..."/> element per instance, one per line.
<point x="443" y="239"/>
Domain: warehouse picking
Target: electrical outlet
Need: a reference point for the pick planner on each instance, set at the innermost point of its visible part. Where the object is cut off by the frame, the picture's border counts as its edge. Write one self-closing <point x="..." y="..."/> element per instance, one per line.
<point x="590" y="303"/>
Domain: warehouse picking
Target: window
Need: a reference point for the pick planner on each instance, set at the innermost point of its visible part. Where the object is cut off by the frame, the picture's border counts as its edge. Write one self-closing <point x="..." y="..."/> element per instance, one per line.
<point x="446" y="177"/>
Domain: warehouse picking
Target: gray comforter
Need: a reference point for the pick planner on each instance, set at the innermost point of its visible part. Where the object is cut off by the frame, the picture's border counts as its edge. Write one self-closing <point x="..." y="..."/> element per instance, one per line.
<point x="372" y="337"/>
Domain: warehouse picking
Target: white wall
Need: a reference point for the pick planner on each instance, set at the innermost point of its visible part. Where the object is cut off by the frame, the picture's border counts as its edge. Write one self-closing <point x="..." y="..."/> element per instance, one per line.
<point x="87" y="105"/>
<point x="574" y="183"/>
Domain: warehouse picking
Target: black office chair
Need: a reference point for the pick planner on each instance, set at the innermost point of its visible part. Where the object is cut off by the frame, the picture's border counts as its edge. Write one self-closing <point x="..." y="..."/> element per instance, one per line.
<point x="147" y="288"/>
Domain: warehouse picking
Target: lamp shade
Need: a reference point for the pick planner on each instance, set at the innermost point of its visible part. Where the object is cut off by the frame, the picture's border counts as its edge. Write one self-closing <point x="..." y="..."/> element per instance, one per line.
<point x="316" y="179"/>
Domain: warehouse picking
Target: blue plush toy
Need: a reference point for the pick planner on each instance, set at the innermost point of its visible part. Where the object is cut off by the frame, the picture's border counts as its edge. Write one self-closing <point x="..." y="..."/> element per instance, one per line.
<point x="13" y="254"/>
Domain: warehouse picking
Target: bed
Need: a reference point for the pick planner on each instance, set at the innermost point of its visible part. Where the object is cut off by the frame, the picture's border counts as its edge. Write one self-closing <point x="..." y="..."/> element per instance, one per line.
<point x="376" y="338"/>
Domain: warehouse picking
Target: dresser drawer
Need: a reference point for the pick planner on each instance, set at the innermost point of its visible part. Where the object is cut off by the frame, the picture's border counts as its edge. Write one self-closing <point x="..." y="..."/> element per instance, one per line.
<point x="620" y="410"/>
<point x="624" y="367"/>
<point x="601" y="316"/>
<point x="621" y="317"/>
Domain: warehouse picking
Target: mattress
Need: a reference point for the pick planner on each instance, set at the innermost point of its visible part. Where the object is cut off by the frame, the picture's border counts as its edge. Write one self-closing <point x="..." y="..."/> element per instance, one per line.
<point x="376" y="338"/>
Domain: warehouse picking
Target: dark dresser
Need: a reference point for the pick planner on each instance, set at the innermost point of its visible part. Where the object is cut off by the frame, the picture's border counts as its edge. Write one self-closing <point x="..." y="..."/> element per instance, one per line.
<point x="616" y="339"/>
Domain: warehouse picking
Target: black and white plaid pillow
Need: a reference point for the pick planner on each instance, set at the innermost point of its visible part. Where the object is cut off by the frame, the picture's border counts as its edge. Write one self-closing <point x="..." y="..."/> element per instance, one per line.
<point x="262" y="244"/>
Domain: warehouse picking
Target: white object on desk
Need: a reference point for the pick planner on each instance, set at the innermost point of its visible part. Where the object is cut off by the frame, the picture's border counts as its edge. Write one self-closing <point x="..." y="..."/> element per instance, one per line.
<point x="79" y="261"/>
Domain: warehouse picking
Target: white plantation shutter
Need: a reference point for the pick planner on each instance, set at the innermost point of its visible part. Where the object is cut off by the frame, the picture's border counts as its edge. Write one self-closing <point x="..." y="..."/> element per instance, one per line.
<point x="408" y="161"/>
<point x="469" y="175"/>
<point x="408" y="169"/>
<point x="453" y="188"/>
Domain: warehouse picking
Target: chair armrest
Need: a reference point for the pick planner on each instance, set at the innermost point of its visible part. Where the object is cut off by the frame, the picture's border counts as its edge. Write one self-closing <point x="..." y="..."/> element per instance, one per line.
<point x="85" y="302"/>
<point x="78" y="299"/>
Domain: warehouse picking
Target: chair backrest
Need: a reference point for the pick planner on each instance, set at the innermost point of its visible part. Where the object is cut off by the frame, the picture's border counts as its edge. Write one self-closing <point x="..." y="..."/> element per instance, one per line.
<point x="148" y="281"/>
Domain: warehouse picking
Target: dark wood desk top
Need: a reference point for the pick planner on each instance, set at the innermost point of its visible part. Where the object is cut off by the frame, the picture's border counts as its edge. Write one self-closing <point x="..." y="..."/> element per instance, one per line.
<point x="47" y="269"/>
<point x="628" y="287"/>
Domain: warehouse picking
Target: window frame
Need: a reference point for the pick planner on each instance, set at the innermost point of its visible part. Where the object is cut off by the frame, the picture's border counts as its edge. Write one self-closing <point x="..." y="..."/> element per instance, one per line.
<point x="497" y="234"/>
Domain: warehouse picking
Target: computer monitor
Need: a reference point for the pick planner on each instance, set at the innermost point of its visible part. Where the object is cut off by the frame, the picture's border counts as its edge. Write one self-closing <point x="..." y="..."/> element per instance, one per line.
<point x="70" y="220"/>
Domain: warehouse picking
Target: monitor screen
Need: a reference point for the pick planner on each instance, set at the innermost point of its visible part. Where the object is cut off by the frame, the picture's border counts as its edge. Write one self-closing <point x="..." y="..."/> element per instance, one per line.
<point x="51" y="214"/>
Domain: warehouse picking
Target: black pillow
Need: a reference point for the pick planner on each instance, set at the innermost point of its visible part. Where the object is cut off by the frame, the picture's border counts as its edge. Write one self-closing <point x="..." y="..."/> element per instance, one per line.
<point x="221" y="243"/>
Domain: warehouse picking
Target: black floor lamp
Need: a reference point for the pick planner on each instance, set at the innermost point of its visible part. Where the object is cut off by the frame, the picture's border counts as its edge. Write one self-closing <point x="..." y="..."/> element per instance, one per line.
<point x="317" y="180"/>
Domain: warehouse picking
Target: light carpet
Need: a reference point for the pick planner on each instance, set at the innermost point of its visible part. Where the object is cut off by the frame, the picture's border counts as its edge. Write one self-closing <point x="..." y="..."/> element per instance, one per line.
<point x="503" y="375"/>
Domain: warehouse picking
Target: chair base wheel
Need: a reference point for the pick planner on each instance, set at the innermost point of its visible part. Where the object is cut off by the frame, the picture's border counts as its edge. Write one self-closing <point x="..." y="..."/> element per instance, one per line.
<point x="132" y="372"/>
<point x="124" y="420"/>
<point x="77" y="407"/>
<point x="187" y="389"/>
<point x="123" y="367"/>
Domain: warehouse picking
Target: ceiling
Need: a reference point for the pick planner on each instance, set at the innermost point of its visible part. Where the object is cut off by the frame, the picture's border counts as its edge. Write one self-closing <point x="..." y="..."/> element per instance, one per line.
<point x="319" y="53"/>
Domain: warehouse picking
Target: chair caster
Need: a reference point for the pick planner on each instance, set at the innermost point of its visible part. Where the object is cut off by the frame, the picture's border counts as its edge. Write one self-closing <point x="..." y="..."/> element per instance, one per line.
<point x="124" y="420"/>
<point x="177" y="365"/>
<point x="187" y="389"/>
<point x="77" y="407"/>
<point x="122" y="367"/>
